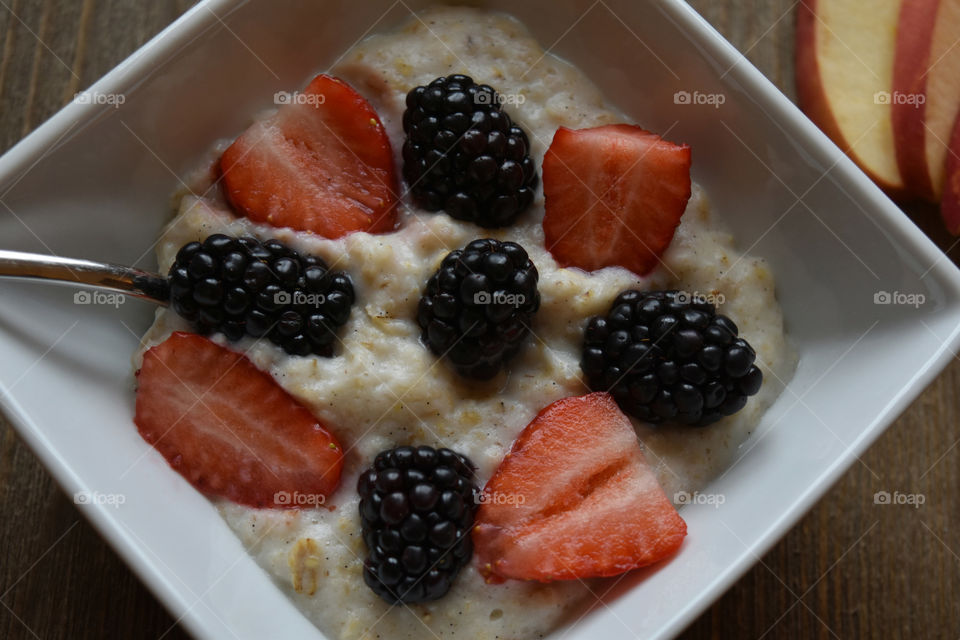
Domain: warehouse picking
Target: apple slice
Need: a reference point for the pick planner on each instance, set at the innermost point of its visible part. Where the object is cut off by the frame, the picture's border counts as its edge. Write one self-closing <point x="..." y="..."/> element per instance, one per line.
<point x="844" y="55"/>
<point x="926" y="91"/>
<point x="950" y="204"/>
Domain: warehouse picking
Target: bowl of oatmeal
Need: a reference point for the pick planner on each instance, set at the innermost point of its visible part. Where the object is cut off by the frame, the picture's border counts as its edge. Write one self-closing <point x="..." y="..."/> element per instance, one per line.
<point x="382" y="366"/>
<point x="800" y="300"/>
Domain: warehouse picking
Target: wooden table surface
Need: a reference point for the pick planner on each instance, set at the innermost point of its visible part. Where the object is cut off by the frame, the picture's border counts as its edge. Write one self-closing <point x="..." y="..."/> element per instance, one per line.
<point x="850" y="569"/>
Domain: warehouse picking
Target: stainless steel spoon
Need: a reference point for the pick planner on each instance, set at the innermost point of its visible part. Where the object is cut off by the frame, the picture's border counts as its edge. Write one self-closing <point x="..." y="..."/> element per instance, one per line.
<point x="85" y="273"/>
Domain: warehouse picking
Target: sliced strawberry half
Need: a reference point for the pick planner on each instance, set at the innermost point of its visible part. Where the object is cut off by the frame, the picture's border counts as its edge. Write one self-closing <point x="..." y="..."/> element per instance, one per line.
<point x="322" y="164"/>
<point x="614" y="196"/>
<point x="574" y="498"/>
<point x="229" y="429"/>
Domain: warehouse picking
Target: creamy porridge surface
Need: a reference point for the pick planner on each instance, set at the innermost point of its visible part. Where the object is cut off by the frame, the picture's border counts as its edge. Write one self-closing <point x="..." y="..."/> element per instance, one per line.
<point x="385" y="389"/>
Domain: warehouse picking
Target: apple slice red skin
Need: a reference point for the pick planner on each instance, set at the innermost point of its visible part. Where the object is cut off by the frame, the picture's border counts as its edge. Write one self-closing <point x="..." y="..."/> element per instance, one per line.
<point x="950" y="204"/>
<point x="812" y="99"/>
<point x="910" y="63"/>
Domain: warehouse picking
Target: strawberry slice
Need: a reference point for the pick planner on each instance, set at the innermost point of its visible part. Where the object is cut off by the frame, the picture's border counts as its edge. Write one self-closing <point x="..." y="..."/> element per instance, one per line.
<point x="574" y="498"/>
<point x="614" y="196"/>
<point x="229" y="429"/>
<point x="322" y="163"/>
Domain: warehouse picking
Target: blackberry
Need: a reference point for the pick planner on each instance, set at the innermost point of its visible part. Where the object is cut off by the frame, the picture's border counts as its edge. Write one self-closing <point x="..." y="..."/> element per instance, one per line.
<point x="464" y="154"/>
<point x="241" y="286"/>
<point x="416" y="512"/>
<point x="667" y="357"/>
<point x="478" y="306"/>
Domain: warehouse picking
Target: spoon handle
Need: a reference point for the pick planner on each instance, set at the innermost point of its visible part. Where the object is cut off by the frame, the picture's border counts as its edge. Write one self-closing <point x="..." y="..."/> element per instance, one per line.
<point x="86" y="273"/>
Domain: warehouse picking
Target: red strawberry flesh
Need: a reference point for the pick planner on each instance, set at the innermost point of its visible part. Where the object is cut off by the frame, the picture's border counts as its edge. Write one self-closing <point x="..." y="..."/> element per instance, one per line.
<point x="229" y="429"/>
<point x="614" y="196"/>
<point x="322" y="163"/>
<point x="590" y="507"/>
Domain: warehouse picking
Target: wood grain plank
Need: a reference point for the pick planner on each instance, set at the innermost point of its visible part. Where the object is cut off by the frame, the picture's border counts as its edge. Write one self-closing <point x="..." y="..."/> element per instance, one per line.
<point x="850" y="569"/>
<point x="58" y="579"/>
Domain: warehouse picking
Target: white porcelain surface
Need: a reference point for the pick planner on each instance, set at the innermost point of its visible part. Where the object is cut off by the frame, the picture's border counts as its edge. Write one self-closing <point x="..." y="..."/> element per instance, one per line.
<point x="95" y="182"/>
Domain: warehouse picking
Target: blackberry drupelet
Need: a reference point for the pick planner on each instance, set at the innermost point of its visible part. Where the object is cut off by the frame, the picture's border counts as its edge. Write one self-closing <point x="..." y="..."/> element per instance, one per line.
<point x="478" y="306"/>
<point x="416" y="511"/>
<point x="464" y="154"/>
<point x="668" y="357"/>
<point x="241" y="286"/>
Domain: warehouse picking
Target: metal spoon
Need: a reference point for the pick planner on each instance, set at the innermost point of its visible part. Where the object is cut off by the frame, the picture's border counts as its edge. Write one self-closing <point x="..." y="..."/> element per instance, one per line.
<point x="85" y="273"/>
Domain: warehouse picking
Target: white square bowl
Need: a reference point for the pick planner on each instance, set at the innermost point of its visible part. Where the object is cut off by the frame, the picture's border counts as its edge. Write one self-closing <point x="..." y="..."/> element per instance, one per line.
<point x="95" y="181"/>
